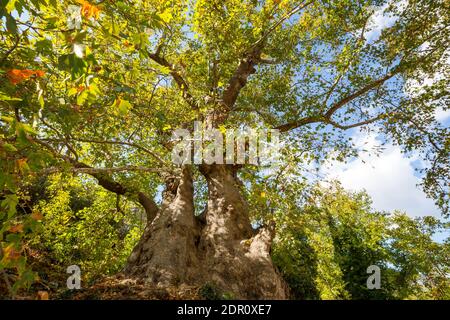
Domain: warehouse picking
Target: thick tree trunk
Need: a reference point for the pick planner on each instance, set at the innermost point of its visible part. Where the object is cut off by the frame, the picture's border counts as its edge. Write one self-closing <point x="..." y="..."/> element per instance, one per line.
<point x="223" y="250"/>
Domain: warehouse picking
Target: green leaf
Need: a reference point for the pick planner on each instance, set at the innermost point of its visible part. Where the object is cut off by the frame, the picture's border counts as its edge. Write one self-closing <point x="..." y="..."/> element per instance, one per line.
<point x="23" y="127"/>
<point x="7" y="119"/>
<point x="9" y="147"/>
<point x="41" y="99"/>
<point x="10" y="6"/>
<point x="82" y="97"/>
<point x="11" y="24"/>
<point x="124" y="106"/>
<point x="164" y="70"/>
<point x="70" y="62"/>
<point x="44" y="46"/>
<point x="72" y="92"/>
<point x="4" y="97"/>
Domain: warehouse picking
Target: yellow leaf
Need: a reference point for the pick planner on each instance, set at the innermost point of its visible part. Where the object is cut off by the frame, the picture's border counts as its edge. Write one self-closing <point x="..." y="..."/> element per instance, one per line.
<point x="166" y="16"/>
<point x="222" y="129"/>
<point x="10" y="6"/>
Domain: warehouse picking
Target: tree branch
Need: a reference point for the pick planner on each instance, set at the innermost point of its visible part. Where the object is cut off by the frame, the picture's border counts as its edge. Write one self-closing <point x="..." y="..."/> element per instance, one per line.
<point x="301" y="122"/>
<point x="326" y="117"/>
<point x="130" y="144"/>
<point x="247" y="64"/>
<point x="357" y="124"/>
<point x="93" y="170"/>
<point x="179" y="80"/>
<point x="245" y="68"/>
<point x="359" y="93"/>
<point x="107" y="182"/>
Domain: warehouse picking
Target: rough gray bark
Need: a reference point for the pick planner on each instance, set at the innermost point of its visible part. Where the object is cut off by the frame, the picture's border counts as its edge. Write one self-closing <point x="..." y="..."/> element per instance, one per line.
<point x="223" y="250"/>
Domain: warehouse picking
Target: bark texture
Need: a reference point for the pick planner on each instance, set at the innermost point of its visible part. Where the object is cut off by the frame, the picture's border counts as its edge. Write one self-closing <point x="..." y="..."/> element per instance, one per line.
<point x="221" y="248"/>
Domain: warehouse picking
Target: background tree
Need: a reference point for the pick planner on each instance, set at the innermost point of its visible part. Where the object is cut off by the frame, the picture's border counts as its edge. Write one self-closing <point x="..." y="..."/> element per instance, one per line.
<point x="326" y="242"/>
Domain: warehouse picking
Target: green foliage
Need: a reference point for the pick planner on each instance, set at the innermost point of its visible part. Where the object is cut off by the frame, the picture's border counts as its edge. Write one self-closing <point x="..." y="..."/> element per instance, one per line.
<point x="84" y="225"/>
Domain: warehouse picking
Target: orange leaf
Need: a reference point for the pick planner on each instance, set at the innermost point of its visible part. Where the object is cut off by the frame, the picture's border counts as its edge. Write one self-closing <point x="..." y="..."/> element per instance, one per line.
<point x="36" y="215"/>
<point x="39" y="73"/>
<point x="16" y="76"/>
<point x="89" y="10"/>
<point x="18" y="228"/>
<point x="42" y="295"/>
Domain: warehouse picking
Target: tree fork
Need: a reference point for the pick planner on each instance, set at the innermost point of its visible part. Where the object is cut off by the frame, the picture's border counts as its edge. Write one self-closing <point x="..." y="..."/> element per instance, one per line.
<point x="224" y="250"/>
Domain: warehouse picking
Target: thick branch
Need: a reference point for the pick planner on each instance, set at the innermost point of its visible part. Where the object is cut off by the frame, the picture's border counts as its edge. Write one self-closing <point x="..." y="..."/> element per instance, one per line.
<point x="107" y="182"/>
<point x="326" y="117"/>
<point x="358" y="93"/>
<point x="245" y="68"/>
<point x="301" y="122"/>
<point x="247" y="64"/>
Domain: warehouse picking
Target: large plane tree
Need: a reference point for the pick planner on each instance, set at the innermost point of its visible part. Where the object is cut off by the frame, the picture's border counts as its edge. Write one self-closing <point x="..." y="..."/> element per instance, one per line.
<point x="96" y="88"/>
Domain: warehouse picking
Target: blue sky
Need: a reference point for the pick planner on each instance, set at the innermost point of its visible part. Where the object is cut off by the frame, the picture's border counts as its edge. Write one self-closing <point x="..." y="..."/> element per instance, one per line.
<point x="390" y="178"/>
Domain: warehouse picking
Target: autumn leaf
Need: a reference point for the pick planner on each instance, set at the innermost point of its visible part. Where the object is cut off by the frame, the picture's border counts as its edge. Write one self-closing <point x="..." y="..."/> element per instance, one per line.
<point x="17" y="76"/>
<point x="10" y="253"/>
<point x="22" y="165"/>
<point x="39" y="73"/>
<point x="89" y="10"/>
<point x="36" y="215"/>
<point x="42" y="295"/>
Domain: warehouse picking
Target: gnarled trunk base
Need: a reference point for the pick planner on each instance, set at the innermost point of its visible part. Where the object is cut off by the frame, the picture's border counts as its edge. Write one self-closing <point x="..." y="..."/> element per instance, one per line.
<point x="223" y="250"/>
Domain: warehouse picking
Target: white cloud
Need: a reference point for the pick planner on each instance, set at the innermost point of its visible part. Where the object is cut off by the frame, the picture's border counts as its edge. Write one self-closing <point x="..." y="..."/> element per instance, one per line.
<point x="414" y="87"/>
<point x="442" y="115"/>
<point x="388" y="178"/>
<point x="78" y="49"/>
<point x="379" y="22"/>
